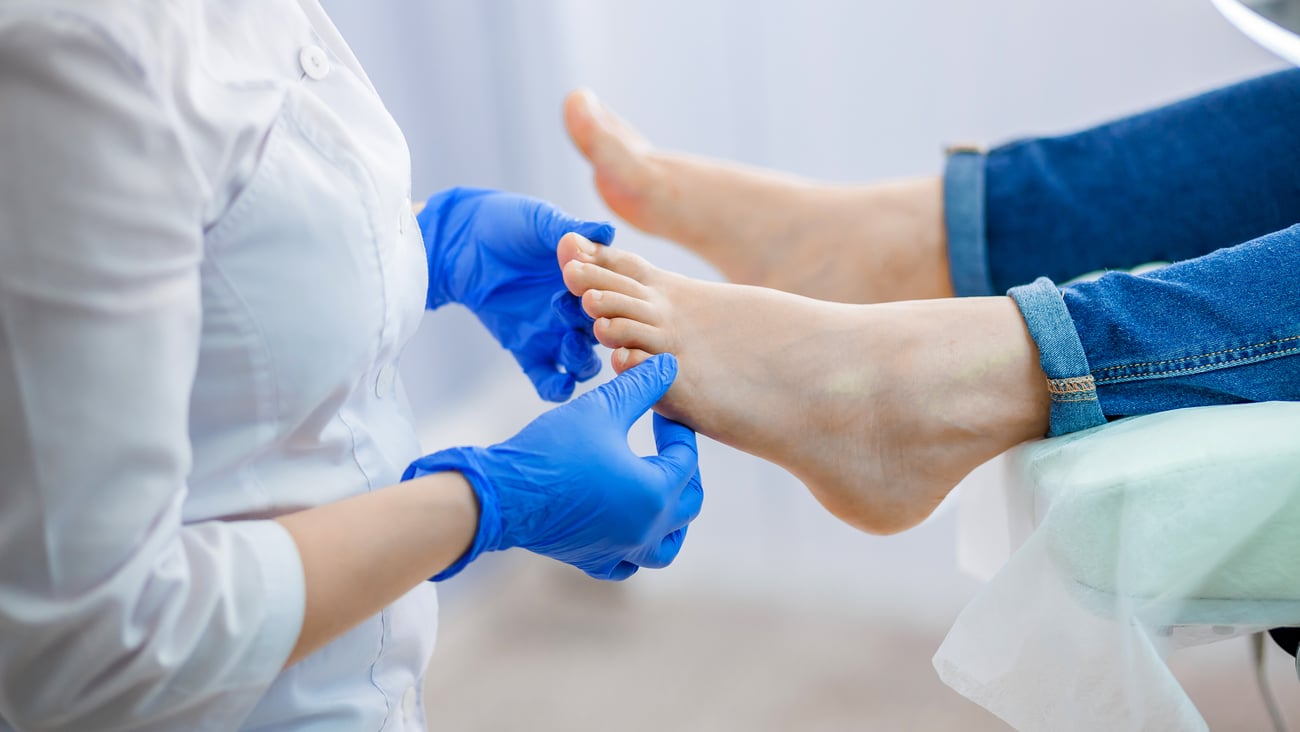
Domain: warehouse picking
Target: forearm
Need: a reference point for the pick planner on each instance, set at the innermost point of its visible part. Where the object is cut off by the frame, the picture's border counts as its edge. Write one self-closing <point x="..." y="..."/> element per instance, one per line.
<point x="1167" y="185"/>
<point x="361" y="554"/>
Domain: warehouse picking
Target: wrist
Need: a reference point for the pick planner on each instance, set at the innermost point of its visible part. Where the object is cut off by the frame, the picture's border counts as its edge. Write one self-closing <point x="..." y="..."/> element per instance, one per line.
<point x="465" y="461"/>
<point x="444" y="221"/>
<point x="445" y="507"/>
<point x="430" y="220"/>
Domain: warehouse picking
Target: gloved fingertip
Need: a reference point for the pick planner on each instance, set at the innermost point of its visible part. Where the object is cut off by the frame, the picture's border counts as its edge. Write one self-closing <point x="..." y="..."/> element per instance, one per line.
<point x="588" y="369"/>
<point x="592" y="369"/>
<point x="601" y="232"/>
<point x="578" y="357"/>
<point x="558" y="388"/>
<point x="664" y="552"/>
<point x="672" y="428"/>
<point x="550" y="384"/>
<point x="620" y="572"/>
<point x="633" y="392"/>
<point x="664" y="364"/>
<point x="568" y="308"/>
<point x="671" y="546"/>
<point x="669" y="432"/>
<point x="691" y="501"/>
<point x="678" y="453"/>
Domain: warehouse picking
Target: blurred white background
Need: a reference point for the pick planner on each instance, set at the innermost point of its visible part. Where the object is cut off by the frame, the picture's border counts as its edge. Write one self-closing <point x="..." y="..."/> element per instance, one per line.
<point x="776" y="616"/>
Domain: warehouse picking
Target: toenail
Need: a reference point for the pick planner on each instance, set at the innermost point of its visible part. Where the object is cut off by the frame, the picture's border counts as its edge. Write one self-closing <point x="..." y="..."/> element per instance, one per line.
<point x="589" y="102"/>
<point x="585" y="246"/>
<point x="597" y="295"/>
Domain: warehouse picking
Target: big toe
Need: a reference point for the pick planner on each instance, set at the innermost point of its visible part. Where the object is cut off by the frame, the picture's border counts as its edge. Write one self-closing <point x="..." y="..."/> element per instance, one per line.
<point x="619" y="155"/>
<point x="604" y="138"/>
<point x="574" y="247"/>
<point x="580" y="121"/>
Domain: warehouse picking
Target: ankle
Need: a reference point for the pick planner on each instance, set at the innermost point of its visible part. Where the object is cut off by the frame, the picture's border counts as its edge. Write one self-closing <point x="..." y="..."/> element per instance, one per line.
<point x="974" y="373"/>
<point x="905" y="228"/>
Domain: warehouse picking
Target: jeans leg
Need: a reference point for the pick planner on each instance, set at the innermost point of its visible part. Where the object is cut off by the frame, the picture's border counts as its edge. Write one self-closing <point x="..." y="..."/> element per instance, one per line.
<point x="1219" y="329"/>
<point x="1170" y="184"/>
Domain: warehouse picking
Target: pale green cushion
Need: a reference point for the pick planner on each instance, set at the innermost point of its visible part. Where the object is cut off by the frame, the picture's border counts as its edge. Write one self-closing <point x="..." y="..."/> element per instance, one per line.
<point x="1191" y="504"/>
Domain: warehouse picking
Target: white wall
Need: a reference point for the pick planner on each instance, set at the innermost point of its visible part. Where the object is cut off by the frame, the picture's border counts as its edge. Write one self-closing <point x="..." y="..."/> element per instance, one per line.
<point x="836" y="89"/>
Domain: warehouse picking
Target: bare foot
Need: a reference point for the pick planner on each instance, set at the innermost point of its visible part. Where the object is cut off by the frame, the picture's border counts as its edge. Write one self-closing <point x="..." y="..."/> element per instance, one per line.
<point x="852" y="244"/>
<point x="879" y="409"/>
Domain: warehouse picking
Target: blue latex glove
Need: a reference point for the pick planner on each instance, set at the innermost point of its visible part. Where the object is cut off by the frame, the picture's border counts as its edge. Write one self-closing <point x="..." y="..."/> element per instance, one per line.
<point x="568" y="487"/>
<point x="494" y="253"/>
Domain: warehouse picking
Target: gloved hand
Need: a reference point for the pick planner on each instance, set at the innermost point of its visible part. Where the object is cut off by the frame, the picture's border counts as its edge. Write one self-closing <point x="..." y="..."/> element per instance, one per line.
<point x="494" y="253"/>
<point x="568" y="487"/>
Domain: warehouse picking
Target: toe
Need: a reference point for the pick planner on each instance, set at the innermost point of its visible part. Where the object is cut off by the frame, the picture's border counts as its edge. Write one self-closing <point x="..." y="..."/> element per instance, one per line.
<point x="602" y="136"/>
<point x="625" y="263"/>
<point x="625" y="358"/>
<point x="579" y="120"/>
<point x="625" y="333"/>
<point x="581" y="276"/>
<point x="574" y="246"/>
<point x="618" y="155"/>
<point x="609" y="304"/>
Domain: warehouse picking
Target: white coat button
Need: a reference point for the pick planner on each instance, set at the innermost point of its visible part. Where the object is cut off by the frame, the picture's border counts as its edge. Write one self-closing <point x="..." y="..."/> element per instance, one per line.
<point x="405" y="216"/>
<point x="386" y="380"/>
<point x="314" y="62"/>
<point x="408" y="702"/>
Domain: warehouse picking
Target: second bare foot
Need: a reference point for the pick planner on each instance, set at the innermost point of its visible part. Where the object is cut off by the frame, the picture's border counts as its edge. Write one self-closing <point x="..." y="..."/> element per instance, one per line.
<point x="854" y="244"/>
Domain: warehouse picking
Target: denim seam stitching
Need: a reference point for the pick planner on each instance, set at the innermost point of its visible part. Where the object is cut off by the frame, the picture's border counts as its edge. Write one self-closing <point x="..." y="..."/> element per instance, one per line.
<point x="1198" y="369"/>
<point x="1202" y="355"/>
<point x="1071" y="384"/>
<point x="1072" y="390"/>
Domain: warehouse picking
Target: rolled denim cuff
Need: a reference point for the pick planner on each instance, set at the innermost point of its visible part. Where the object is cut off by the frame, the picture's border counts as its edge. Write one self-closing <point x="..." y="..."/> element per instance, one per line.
<point x="963" y="217"/>
<point x="1060" y="352"/>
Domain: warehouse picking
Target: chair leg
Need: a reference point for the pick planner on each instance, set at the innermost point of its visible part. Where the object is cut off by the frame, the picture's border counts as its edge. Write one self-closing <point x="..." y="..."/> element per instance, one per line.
<point x="1258" y="642"/>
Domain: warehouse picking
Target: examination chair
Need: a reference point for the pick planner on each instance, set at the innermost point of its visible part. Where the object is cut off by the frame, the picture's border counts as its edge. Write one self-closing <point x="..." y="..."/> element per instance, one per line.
<point x="1120" y="544"/>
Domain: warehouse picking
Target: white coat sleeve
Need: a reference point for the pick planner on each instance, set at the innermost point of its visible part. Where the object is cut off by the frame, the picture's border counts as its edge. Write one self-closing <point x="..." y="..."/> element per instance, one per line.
<point x="113" y="614"/>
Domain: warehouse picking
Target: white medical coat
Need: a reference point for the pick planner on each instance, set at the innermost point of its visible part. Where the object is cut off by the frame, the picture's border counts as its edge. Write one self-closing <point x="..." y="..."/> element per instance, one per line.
<point x="208" y="269"/>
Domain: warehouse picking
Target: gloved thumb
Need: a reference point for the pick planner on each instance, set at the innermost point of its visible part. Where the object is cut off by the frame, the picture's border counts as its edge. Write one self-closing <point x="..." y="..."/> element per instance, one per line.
<point x="630" y="394"/>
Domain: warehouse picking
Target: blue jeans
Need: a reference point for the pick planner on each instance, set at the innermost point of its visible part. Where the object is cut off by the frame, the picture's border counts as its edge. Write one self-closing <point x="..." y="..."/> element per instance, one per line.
<point x="1211" y="184"/>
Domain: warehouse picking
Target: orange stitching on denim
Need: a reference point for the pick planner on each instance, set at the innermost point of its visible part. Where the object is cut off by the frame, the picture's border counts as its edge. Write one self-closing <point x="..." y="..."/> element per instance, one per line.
<point x="1072" y="385"/>
<point x="1073" y="389"/>
<point x="1195" y="369"/>
<point x="1202" y="355"/>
